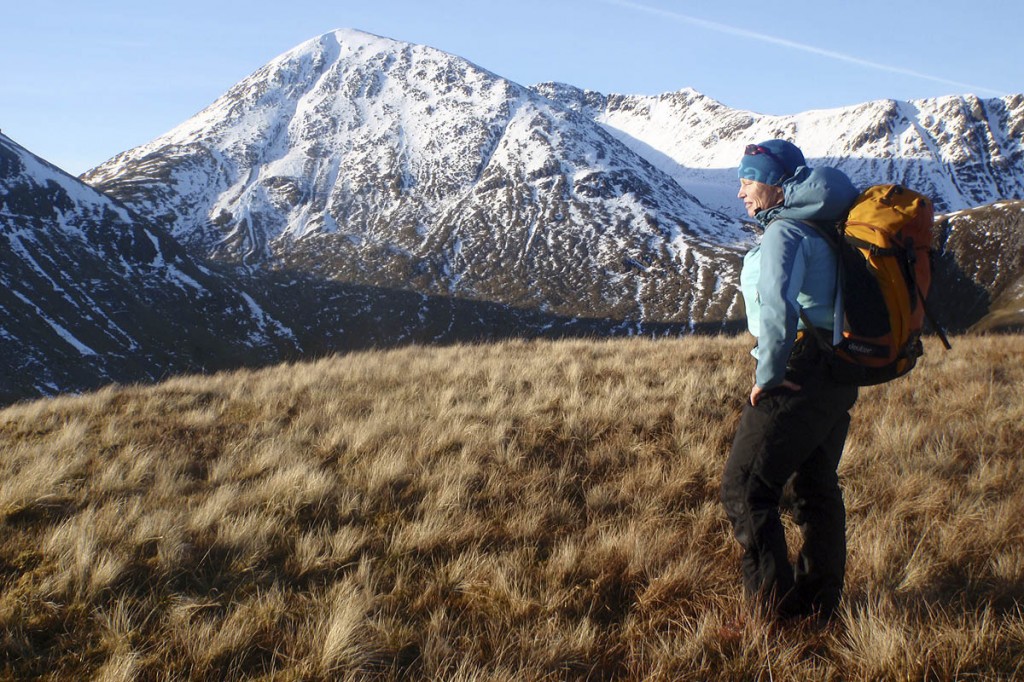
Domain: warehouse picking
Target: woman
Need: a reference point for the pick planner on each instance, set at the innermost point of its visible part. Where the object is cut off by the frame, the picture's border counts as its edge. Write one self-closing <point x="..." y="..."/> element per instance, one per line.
<point x="795" y="422"/>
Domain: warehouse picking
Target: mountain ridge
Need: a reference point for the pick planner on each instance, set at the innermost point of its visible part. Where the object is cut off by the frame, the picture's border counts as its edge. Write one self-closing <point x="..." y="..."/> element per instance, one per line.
<point x="963" y="151"/>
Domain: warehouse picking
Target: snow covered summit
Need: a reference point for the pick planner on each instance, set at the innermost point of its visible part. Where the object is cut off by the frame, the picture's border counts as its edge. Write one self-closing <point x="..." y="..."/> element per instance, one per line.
<point x="368" y="160"/>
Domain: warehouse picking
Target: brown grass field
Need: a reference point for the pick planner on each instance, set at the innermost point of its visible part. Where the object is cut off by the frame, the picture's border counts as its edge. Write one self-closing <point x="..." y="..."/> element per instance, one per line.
<point x="516" y="511"/>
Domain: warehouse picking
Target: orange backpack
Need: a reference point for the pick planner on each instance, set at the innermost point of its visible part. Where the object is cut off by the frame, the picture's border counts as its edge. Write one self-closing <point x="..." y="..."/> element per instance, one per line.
<point x="885" y="271"/>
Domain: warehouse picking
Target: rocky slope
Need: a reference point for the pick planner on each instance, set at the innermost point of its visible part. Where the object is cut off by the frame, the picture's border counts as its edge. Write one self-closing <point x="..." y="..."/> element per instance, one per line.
<point x="980" y="268"/>
<point x="92" y="293"/>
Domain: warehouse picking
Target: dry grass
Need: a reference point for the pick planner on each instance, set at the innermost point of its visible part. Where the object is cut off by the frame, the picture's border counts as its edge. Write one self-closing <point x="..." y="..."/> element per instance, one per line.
<point x="521" y="511"/>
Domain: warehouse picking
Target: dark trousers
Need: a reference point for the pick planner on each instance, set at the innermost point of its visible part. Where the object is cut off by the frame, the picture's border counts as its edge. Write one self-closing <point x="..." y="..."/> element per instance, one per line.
<point x="798" y="437"/>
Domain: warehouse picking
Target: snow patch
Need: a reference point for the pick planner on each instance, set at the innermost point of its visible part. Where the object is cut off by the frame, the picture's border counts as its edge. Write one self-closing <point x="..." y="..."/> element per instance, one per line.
<point x="57" y="327"/>
<point x="181" y="278"/>
<point x="158" y="259"/>
<point x="264" y="320"/>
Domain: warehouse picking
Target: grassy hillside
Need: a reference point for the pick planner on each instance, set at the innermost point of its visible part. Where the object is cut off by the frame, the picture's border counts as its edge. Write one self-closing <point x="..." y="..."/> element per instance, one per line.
<point x="517" y="511"/>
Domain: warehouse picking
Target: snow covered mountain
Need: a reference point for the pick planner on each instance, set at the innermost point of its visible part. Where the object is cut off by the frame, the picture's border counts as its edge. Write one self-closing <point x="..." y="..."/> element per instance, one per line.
<point x="359" y="159"/>
<point x="362" y="159"/>
<point x="91" y="293"/>
<point x="963" y="152"/>
<point x="359" y="191"/>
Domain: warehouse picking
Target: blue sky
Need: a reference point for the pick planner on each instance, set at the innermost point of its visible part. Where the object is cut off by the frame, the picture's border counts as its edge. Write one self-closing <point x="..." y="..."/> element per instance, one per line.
<point x="82" y="81"/>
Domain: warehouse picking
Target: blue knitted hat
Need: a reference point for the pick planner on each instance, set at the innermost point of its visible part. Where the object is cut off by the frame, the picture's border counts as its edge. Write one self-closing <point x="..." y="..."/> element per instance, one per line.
<point x="771" y="161"/>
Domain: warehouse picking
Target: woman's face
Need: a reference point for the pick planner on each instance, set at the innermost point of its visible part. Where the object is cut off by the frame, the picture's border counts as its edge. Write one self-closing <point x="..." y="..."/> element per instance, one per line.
<point x="758" y="196"/>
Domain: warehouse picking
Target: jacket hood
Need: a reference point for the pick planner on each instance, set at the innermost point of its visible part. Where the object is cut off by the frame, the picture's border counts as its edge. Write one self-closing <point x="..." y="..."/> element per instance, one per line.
<point x="822" y="193"/>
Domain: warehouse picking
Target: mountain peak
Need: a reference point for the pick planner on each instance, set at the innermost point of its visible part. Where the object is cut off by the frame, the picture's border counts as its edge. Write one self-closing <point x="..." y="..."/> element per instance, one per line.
<point x="351" y="150"/>
<point x="353" y="41"/>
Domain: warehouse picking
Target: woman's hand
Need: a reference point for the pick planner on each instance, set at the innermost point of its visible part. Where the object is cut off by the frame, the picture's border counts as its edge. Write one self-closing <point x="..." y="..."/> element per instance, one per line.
<point x="757" y="392"/>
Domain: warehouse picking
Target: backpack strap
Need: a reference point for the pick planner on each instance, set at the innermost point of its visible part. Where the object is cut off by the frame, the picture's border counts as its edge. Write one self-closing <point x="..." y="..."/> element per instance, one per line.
<point x="875" y="249"/>
<point x="827" y="230"/>
<point x="832" y="234"/>
<point x="829" y="348"/>
<point x="935" y="325"/>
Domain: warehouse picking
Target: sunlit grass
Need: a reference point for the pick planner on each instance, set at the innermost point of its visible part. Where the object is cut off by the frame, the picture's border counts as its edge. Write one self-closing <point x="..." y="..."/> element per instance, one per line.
<point x="515" y="511"/>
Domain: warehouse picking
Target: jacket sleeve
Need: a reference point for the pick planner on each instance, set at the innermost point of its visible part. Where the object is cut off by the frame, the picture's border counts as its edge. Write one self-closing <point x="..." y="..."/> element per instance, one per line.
<point x="783" y="267"/>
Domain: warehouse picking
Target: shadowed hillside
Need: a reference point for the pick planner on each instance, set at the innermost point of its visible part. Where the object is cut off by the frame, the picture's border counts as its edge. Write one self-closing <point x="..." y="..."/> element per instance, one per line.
<point x="511" y="511"/>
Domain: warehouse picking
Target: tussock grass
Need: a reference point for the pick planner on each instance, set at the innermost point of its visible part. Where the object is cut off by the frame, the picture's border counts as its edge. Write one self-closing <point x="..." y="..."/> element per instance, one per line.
<point x="517" y="511"/>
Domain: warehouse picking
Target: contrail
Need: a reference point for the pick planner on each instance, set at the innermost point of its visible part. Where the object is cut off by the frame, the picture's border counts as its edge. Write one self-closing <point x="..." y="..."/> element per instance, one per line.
<point x="753" y="35"/>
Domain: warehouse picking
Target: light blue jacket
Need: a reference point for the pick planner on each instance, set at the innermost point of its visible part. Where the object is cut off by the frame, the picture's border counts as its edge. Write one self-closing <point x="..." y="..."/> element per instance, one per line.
<point x="793" y="267"/>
